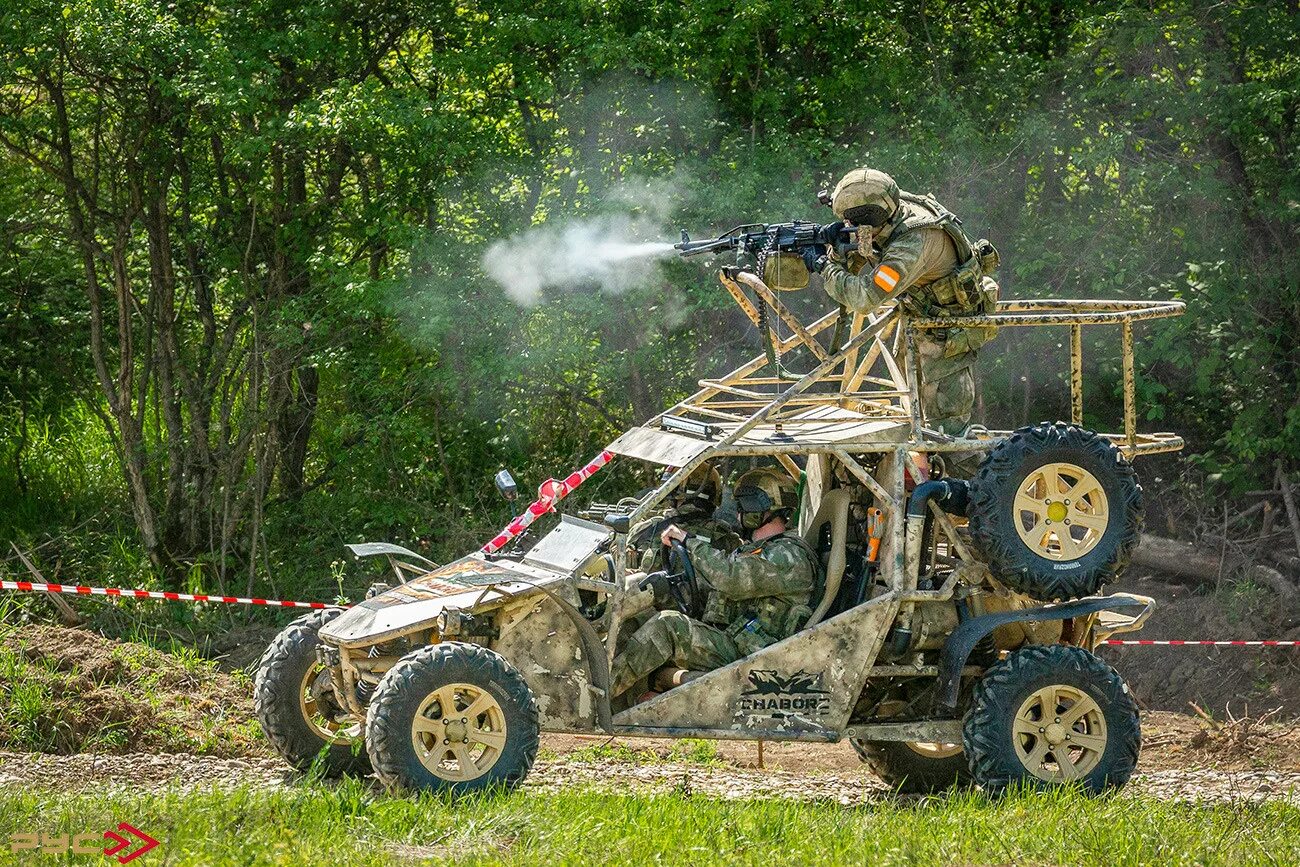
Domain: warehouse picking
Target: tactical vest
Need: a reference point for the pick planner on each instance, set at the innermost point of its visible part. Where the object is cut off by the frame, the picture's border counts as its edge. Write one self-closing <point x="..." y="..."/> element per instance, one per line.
<point x="962" y="292"/>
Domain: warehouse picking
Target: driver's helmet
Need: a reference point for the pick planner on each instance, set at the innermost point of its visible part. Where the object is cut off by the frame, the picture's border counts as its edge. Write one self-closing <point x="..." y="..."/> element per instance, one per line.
<point x="762" y="492"/>
<point x="865" y="197"/>
<point x="701" y="491"/>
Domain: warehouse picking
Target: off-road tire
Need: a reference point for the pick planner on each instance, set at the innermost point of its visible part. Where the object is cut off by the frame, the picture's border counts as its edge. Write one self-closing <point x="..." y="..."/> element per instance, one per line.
<point x="988" y="732"/>
<point x="905" y="770"/>
<point x="993" y="515"/>
<point x="277" y="702"/>
<point x="406" y="686"/>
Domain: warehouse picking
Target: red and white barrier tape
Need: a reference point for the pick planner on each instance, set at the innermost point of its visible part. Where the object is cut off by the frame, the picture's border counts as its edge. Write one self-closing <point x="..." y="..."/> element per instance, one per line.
<point x="552" y="492"/>
<point x="78" y="590"/>
<point x="1175" y="642"/>
<point x="167" y="595"/>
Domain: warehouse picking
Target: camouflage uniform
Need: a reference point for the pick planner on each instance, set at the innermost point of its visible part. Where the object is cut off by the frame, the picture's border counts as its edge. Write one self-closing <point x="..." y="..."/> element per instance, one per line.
<point x="645" y="535"/>
<point x="758" y="595"/>
<point x="692" y="508"/>
<point x="919" y="264"/>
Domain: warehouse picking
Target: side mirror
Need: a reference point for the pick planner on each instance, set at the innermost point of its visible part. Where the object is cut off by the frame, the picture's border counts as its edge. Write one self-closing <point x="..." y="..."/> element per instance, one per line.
<point x="506" y="485"/>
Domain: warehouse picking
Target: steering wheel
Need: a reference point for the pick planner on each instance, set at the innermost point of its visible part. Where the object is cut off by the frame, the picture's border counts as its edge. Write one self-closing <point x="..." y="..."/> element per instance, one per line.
<point x="682" y="581"/>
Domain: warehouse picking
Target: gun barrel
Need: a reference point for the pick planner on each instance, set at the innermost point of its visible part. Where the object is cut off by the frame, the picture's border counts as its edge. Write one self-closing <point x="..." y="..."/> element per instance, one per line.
<point x="757" y="237"/>
<point x="710" y="245"/>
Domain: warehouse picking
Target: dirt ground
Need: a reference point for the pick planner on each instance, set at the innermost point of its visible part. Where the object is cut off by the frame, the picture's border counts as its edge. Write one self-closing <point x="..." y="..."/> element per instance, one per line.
<point x="1177" y="764"/>
<point x="1170" y="742"/>
<point x="74" y="690"/>
<point x="1241" y="739"/>
<point x="1221" y="680"/>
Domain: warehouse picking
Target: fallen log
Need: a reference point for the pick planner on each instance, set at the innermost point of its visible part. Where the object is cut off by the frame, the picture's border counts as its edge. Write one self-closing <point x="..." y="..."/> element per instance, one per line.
<point x="1198" y="566"/>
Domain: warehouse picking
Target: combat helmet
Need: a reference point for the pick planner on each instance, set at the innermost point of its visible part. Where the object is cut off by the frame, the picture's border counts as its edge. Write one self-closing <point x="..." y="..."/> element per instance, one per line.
<point x="702" y="489"/>
<point x="865" y="197"/>
<point x="762" y="491"/>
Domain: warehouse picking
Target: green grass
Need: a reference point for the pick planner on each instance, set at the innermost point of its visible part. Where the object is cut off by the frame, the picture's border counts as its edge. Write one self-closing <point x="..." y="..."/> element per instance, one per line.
<point x="26" y="700"/>
<point x="689" y="750"/>
<point x="351" y="824"/>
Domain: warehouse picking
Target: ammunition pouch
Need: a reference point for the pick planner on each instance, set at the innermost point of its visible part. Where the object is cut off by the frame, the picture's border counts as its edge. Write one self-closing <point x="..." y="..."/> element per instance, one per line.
<point x="988" y="256"/>
<point x="749" y="635"/>
<point x="795" y="618"/>
<point x="961" y="341"/>
<point x="785" y="271"/>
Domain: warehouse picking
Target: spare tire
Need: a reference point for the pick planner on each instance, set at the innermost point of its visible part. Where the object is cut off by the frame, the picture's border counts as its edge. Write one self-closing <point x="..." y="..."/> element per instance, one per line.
<point x="1056" y="511"/>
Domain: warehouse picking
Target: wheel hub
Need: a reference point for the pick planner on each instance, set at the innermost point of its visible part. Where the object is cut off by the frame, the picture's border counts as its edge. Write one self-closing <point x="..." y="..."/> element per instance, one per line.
<point x="459" y="732"/>
<point x="316" y="702"/>
<point x="1060" y="511"/>
<point x="1059" y="733"/>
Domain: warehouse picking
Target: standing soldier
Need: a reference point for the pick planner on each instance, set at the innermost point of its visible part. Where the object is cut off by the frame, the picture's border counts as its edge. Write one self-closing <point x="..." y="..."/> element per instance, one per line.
<point x="913" y="249"/>
<point x="757" y="595"/>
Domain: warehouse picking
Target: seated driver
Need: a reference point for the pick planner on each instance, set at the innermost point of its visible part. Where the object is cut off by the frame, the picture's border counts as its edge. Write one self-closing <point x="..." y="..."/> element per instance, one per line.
<point x="691" y="507"/>
<point x="757" y="595"/>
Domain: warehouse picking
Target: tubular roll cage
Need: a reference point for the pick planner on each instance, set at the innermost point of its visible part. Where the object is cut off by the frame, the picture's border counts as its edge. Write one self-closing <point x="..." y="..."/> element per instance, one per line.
<point x="862" y="396"/>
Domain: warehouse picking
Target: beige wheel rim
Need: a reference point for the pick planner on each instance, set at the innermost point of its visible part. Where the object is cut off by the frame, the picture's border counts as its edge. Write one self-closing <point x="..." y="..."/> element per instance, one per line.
<point x="922" y="748"/>
<point x="459" y="732"/>
<point x="1061" y="511"/>
<point x="1059" y="734"/>
<point x="934" y="751"/>
<point x="330" y="730"/>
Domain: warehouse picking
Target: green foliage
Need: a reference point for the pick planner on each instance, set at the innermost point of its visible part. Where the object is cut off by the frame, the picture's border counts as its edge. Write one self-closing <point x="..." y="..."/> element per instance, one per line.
<point x="256" y="229"/>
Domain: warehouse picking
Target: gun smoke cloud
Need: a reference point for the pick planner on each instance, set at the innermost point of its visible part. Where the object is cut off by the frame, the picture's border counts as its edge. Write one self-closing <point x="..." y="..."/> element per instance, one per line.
<point x="611" y="252"/>
<point x="580" y="253"/>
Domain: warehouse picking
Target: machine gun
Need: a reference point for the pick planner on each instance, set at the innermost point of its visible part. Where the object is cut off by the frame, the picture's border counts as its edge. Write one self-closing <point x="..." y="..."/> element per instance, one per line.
<point x="760" y="239"/>
<point x="613" y="515"/>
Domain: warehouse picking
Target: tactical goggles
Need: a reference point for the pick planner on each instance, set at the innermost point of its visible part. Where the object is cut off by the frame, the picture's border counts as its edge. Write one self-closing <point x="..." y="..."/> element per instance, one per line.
<point x="749" y="499"/>
<point x="867" y="215"/>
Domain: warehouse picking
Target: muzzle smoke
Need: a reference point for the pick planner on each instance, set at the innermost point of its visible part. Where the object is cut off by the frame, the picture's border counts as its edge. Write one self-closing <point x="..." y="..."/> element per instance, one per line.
<point x="575" y="254"/>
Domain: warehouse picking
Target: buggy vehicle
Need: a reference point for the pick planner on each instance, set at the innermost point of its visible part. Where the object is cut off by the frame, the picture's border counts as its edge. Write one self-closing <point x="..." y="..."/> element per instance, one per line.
<point x="953" y="640"/>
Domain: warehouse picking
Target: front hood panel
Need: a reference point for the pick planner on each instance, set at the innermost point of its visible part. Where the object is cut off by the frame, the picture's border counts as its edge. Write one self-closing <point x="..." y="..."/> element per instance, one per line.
<point x="467" y="583"/>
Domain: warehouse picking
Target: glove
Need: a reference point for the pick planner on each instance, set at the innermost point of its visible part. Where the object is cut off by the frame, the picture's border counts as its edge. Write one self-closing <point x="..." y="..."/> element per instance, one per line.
<point x="813" y="259"/>
<point x="657" y="582"/>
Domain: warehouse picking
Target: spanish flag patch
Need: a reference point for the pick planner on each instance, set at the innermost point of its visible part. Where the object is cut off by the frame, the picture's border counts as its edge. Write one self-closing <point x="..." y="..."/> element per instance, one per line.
<point x="886" y="278"/>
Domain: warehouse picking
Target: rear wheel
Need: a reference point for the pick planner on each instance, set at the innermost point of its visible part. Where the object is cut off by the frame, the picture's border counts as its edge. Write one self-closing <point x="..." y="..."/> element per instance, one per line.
<point x="454" y="717"/>
<point x="293" y="696"/>
<point x="1050" y="715"/>
<point x="913" y="768"/>
<point x="1056" y="510"/>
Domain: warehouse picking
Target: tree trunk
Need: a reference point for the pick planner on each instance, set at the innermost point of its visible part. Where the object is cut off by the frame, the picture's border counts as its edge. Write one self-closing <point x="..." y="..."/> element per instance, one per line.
<point x="1195" y="566"/>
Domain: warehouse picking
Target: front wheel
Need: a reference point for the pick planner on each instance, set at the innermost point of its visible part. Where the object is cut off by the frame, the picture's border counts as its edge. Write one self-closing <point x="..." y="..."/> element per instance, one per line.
<point x="293" y="696"/>
<point x="1052" y="714"/>
<point x="454" y="717"/>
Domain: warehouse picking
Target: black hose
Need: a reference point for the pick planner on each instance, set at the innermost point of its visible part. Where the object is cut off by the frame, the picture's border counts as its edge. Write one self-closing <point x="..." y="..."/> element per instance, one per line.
<point x="951" y="494"/>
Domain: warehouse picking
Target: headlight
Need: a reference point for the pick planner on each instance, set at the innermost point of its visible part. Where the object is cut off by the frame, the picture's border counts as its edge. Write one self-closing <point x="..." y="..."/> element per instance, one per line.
<point x="448" y="623"/>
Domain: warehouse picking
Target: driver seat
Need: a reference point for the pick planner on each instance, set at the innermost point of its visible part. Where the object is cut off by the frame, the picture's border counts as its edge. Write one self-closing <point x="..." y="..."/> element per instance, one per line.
<point x="833" y="510"/>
